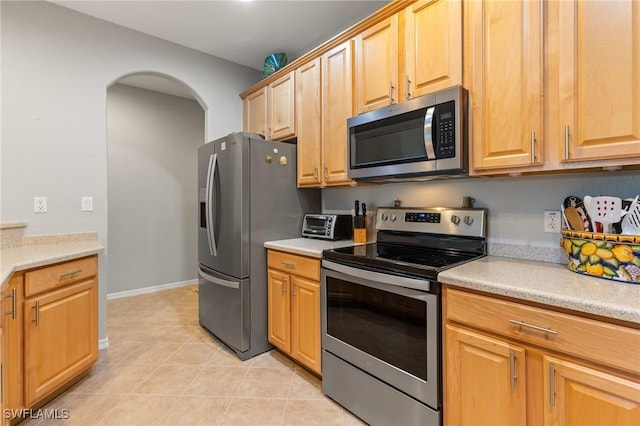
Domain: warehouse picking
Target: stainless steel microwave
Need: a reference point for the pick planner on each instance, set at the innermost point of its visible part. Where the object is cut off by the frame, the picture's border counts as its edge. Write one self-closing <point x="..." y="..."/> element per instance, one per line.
<point x="420" y="139"/>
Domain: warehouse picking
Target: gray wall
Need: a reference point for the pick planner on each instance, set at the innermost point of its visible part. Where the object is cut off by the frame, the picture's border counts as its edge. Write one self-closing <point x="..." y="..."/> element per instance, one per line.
<point x="152" y="180"/>
<point x="516" y="204"/>
<point x="56" y="67"/>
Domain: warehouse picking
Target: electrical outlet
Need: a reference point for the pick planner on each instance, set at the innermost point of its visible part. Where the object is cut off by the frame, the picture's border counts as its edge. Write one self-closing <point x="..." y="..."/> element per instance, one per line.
<point x="39" y="204"/>
<point x="552" y="222"/>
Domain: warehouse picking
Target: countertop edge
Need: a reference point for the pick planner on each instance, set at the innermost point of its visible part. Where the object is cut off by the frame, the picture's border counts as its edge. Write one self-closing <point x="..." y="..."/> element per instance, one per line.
<point x="27" y="257"/>
<point x="579" y="294"/>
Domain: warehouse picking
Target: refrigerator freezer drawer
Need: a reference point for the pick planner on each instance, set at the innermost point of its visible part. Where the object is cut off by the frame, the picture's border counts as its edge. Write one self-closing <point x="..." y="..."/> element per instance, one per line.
<point x="223" y="308"/>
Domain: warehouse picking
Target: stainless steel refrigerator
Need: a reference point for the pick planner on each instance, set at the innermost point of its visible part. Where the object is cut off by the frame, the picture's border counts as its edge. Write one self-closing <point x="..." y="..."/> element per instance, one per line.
<point x="248" y="195"/>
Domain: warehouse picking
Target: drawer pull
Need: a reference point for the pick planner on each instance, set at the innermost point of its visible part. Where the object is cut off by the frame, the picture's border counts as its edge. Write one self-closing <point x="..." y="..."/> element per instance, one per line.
<point x="512" y="367"/>
<point x="37" y="307"/>
<point x="288" y="264"/>
<point x="535" y="327"/>
<point x="70" y="274"/>
<point x="14" y="303"/>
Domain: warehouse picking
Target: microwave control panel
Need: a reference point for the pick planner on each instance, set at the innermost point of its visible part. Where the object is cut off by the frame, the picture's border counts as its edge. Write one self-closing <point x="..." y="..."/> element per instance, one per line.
<point x="446" y="130"/>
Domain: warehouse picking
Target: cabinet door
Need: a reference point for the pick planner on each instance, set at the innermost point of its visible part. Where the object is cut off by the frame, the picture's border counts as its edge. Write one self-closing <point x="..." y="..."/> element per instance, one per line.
<point x="337" y="107"/>
<point x="485" y="380"/>
<point x="505" y="56"/>
<point x="255" y="112"/>
<point x="279" y="310"/>
<point x="433" y="46"/>
<point x="599" y="66"/>
<point x="577" y="395"/>
<point x="60" y="337"/>
<point x="305" y="322"/>
<point x="282" y="107"/>
<point x="377" y="66"/>
<point x="12" y="367"/>
<point x="309" y="122"/>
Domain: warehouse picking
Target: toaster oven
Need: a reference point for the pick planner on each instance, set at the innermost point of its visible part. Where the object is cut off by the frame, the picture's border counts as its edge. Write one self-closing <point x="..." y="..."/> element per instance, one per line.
<point x="327" y="226"/>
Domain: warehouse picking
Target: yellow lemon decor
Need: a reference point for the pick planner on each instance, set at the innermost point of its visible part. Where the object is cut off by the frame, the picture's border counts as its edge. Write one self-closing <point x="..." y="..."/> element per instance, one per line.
<point x="609" y="256"/>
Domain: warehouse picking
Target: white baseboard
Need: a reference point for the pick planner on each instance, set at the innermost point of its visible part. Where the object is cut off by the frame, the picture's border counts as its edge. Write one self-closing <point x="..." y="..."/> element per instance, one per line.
<point x="145" y="290"/>
<point x="103" y="343"/>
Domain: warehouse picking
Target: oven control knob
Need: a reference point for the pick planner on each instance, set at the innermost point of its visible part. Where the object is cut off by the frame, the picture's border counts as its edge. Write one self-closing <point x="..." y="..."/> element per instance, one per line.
<point x="455" y="219"/>
<point x="393" y="217"/>
<point x="468" y="220"/>
<point x="384" y="216"/>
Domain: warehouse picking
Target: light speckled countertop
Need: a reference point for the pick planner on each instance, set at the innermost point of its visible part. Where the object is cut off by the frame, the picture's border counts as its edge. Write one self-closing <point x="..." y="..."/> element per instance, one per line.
<point x="32" y="256"/>
<point x="549" y="284"/>
<point x="306" y="246"/>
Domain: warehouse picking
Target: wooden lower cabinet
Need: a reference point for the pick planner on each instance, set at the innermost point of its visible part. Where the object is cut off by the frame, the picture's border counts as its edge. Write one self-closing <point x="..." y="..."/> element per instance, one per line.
<point x="507" y="363"/>
<point x="294" y="307"/>
<point x="53" y="336"/>
<point x="60" y="338"/>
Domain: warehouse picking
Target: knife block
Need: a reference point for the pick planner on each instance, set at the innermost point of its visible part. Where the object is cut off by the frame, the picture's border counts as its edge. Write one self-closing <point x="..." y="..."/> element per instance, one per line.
<point x="359" y="235"/>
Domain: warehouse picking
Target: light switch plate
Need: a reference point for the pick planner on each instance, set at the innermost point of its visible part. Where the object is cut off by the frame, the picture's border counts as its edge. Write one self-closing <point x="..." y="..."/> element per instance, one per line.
<point x="87" y="204"/>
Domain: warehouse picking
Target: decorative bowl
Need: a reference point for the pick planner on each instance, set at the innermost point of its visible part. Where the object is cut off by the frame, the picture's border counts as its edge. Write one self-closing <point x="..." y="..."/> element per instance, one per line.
<point x="610" y="256"/>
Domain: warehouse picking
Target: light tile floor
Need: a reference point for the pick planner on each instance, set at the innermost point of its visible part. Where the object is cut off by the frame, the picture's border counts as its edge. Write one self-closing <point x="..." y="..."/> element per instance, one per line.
<point x="161" y="368"/>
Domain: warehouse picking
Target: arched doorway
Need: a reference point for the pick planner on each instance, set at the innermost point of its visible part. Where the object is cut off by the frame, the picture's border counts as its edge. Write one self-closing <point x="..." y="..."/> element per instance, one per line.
<point x="154" y="126"/>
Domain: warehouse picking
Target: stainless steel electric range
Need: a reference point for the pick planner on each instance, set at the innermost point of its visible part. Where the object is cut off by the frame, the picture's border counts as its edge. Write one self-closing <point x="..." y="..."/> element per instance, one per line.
<point x="381" y="314"/>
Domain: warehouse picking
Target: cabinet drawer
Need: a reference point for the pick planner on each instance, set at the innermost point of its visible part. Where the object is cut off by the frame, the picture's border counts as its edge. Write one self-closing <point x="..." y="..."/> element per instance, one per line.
<point x="606" y="343"/>
<point x="299" y="265"/>
<point x="59" y="275"/>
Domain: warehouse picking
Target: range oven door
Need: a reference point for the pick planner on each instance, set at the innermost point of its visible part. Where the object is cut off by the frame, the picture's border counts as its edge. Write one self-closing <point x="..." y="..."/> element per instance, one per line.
<point x="384" y="324"/>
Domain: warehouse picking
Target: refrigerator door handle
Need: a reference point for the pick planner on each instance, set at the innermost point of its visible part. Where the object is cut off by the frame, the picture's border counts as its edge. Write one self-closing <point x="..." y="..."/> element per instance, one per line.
<point x="219" y="281"/>
<point x="213" y="161"/>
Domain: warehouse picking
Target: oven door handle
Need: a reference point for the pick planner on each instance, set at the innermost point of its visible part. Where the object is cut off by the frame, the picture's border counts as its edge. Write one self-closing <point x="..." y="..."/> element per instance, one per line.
<point x="395" y="280"/>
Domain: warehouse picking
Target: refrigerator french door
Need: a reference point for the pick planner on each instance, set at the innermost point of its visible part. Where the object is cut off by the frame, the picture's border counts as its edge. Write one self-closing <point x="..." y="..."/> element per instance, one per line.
<point x="248" y="195"/>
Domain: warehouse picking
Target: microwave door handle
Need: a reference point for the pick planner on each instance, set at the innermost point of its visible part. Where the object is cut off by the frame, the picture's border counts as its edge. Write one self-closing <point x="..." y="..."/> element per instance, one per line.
<point x="213" y="160"/>
<point x="428" y="133"/>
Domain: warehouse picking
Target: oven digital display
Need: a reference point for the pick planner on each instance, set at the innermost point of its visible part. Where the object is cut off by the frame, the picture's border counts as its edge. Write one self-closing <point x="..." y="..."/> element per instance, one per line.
<point x="422" y="217"/>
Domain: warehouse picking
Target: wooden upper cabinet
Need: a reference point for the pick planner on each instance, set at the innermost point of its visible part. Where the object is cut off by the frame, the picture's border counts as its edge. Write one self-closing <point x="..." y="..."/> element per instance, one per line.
<point x="255" y="112"/>
<point x="282" y="107"/>
<point x="377" y="65"/>
<point x="599" y="79"/>
<point x="309" y="122"/>
<point x="337" y="107"/>
<point x="504" y="50"/>
<point x="433" y="46"/>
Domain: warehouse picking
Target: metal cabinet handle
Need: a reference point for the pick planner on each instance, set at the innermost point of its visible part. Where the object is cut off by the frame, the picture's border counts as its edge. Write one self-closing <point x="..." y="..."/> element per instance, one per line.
<point x="293" y="288"/>
<point x="37" y="307"/>
<point x="288" y="264"/>
<point x="408" y="83"/>
<point x="534" y="327"/>
<point x="552" y="385"/>
<point x="566" y="142"/>
<point x="315" y="172"/>
<point x="70" y="274"/>
<point x="326" y="173"/>
<point x="512" y="369"/>
<point x="14" y="303"/>
<point x="283" y="283"/>
<point x="533" y="147"/>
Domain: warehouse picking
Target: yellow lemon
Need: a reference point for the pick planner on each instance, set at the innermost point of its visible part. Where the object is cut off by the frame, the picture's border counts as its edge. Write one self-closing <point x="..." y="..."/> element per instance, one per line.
<point x="603" y="253"/>
<point x="623" y="253"/>
<point x="588" y="249"/>
<point x="567" y="245"/>
<point x="596" y="269"/>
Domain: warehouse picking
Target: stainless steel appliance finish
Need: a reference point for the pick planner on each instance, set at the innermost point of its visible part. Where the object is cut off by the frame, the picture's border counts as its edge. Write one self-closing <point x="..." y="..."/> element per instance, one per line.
<point x="420" y="139"/>
<point x="381" y="312"/>
<point x="327" y="226"/>
<point x="248" y="195"/>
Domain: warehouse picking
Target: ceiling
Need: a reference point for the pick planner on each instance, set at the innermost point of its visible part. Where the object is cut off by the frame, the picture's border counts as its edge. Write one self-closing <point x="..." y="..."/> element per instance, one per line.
<point x="244" y="32"/>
